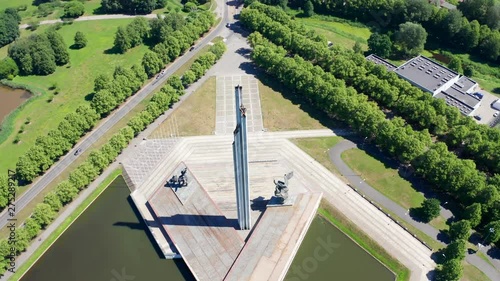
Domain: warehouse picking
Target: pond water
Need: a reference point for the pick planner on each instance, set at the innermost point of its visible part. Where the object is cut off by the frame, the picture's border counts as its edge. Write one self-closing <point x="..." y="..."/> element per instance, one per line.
<point x="108" y="242"/>
<point x="326" y="253"/>
<point x="10" y="99"/>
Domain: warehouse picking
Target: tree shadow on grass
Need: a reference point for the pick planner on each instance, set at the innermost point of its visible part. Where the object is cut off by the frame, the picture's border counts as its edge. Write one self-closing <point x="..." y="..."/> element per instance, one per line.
<point x="112" y="51"/>
<point x="89" y="96"/>
<point x="290" y="95"/>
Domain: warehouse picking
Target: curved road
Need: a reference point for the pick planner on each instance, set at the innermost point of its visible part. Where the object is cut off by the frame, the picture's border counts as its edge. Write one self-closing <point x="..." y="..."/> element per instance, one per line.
<point x="110" y="121"/>
<point x="359" y="183"/>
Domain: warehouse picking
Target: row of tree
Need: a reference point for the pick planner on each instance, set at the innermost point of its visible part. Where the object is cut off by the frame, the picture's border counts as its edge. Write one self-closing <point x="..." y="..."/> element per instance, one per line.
<point x="47" y="149"/>
<point x="420" y="109"/>
<point x="447" y="28"/>
<point x="65" y="192"/>
<point x="454" y="176"/>
<point x="203" y="63"/>
<point x="131" y="7"/>
<point x="109" y="92"/>
<point x="44" y="213"/>
<point x="9" y="26"/>
<point x="39" y="54"/>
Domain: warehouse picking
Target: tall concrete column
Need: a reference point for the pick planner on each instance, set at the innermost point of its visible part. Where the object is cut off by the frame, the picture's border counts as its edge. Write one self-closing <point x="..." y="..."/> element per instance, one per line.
<point x="240" y="159"/>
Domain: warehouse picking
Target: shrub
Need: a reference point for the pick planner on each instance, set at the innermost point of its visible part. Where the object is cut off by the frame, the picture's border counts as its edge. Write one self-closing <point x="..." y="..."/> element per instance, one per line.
<point x="73" y="9"/>
<point x="8" y="68"/>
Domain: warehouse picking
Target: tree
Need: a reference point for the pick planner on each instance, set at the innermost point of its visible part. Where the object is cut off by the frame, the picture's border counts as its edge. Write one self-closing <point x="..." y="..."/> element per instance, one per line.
<point x="417" y="11"/>
<point x="59" y="47"/>
<point x="430" y="209"/>
<point x="80" y="40"/>
<point x="73" y="9"/>
<point x="188" y="78"/>
<point x="6" y="187"/>
<point x="493" y="17"/>
<point x="122" y="41"/>
<point x="491" y="232"/>
<point x="9" y="29"/>
<point x="455" y="250"/>
<point x="451" y="270"/>
<point x="103" y="102"/>
<point x="43" y="214"/>
<point x="8" y="68"/>
<point x="380" y="44"/>
<point x="189" y="7"/>
<point x="410" y="38"/>
<point x="456" y="64"/>
<point x="32" y="229"/>
<point x="308" y="8"/>
<point x="66" y="192"/>
<point x="151" y="63"/>
<point x="473" y="214"/>
<point x="13" y="13"/>
<point x="460" y="230"/>
<point x="357" y="48"/>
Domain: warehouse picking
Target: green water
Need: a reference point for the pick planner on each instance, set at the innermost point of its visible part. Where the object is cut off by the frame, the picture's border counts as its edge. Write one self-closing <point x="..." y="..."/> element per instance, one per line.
<point x="108" y="242"/>
<point x="328" y="254"/>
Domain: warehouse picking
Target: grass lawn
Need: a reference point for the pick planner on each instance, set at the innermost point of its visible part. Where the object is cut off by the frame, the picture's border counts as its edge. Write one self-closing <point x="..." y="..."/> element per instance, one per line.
<point x="281" y="112"/>
<point x="73" y="81"/>
<point x="387" y="181"/>
<point x="318" y="148"/>
<point x="195" y="117"/>
<point x="472" y="273"/>
<point x="339" y="33"/>
<point x="356" y="234"/>
<point x="64" y="225"/>
<point x="26" y="212"/>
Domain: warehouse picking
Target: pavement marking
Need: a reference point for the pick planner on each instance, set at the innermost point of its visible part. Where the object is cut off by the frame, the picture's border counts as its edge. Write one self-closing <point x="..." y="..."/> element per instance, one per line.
<point x="225" y="121"/>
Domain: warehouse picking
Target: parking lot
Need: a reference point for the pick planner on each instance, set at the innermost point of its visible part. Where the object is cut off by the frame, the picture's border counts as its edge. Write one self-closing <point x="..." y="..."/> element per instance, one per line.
<point x="485" y="111"/>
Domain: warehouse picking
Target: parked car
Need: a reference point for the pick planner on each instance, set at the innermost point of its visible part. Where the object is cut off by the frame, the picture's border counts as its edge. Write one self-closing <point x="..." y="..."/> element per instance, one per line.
<point x="495" y="114"/>
<point x="78" y="151"/>
<point x="478" y="95"/>
<point x="228" y="24"/>
<point x="192" y="48"/>
<point x="477" y="117"/>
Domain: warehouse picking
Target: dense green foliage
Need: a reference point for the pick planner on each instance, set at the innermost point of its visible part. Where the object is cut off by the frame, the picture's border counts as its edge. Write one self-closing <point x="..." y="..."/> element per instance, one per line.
<point x="80" y="40"/>
<point x="131" y="7"/>
<point x="328" y="87"/>
<point x="430" y="209"/>
<point x="39" y="53"/>
<point x="73" y="9"/>
<point x="380" y="44"/>
<point x="8" y="68"/>
<point x="446" y="28"/>
<point x="9" y="29"/>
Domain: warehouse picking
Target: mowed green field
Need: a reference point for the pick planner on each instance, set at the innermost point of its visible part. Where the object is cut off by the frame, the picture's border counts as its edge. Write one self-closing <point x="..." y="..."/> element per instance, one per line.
<point x="74" y="81"/>
<point x="339" y="33"/>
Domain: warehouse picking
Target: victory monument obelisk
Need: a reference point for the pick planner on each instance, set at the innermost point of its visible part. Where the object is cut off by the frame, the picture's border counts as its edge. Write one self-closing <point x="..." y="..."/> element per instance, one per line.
<point x="240" y="159"/>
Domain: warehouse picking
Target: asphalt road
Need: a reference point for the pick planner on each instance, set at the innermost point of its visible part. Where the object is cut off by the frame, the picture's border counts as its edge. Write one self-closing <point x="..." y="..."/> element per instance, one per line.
<point x="110" y="121"/>
<point x="357" y="181"/>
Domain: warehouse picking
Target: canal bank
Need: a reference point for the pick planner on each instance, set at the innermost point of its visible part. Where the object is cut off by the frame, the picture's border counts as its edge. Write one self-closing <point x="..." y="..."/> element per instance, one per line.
<point x="107" y="241"/>
<point x="13" y="98"/>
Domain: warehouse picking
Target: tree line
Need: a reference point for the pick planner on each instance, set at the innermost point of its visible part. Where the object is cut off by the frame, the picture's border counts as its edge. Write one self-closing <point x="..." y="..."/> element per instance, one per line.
<point x="420" y="109"/>
<point x="39" y="54"/>
<point x="109" y="92"/>
<point x="449" y="174"/>
<point x="9" y="26"/>
<point x="131" y="7"/>
<point x="447" y="28"/>
<point x="65" y="192"/>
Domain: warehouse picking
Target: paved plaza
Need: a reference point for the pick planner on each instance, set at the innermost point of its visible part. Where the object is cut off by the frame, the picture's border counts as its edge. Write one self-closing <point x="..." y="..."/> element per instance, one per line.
<point x="225" y="104"/>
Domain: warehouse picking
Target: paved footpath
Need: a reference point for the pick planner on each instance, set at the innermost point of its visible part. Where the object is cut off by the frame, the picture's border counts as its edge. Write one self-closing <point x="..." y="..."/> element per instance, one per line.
<point x="358" y="182"/>
<point x="98" y="17"/>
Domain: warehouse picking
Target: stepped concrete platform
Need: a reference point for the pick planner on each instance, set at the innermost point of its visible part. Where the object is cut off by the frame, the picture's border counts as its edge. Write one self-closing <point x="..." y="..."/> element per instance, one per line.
<point x="207" y="241"/>
<point x="271" y="247"/>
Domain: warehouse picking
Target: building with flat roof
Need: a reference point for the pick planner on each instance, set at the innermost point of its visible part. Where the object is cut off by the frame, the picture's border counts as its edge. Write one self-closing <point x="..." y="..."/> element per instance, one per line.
<point x="440" y="81"/>
<point x="427" y="74"/>
<point x="380" y="61"/>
